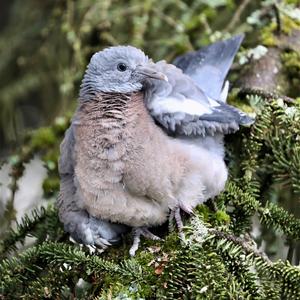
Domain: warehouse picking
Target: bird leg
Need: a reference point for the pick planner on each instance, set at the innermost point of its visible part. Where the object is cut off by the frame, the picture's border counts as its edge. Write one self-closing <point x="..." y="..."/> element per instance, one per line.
<point x="175" y="215"/>
<point x="137" y="233"/>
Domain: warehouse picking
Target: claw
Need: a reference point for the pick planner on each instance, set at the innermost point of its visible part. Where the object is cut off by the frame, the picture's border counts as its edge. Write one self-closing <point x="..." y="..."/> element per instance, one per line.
<point x="137" y="233"/>
<point x="187" y="208"/>
<point x="103" y="243"/>
<point x="175" y="215"/>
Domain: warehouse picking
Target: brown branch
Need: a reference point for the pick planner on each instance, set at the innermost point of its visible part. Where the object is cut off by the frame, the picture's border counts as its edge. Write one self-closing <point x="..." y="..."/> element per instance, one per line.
<point x="236" y="17"/>
<point x="278" y="20"/>
<point x="263" y="93"/>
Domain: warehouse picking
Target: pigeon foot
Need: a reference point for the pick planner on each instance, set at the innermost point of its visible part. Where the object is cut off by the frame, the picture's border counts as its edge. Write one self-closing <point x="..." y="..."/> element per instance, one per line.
<point x="137" y="233"/>
<point x="175" y="215"/>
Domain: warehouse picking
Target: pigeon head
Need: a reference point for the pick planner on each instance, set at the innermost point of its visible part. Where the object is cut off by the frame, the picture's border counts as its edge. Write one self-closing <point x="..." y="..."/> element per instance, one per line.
<point x="120" y="69"/>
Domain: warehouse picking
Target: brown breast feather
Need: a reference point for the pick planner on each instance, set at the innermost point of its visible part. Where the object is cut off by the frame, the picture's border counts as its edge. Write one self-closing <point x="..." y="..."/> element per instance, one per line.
<point x="121" y="160"/>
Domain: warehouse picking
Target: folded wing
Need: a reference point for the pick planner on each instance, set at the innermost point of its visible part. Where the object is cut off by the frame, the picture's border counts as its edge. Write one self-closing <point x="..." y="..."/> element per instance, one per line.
<point x="190" y="104"/>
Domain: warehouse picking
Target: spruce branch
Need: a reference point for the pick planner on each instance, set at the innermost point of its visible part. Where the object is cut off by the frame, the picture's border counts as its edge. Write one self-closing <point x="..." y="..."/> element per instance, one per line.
<point x="244" y="244"/>
<point x="38" y="224"/>
<point x="278" y="218"/>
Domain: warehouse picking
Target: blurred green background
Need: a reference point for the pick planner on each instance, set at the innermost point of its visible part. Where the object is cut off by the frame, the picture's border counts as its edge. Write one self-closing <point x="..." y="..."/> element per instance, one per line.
<point x="45" y="46"/>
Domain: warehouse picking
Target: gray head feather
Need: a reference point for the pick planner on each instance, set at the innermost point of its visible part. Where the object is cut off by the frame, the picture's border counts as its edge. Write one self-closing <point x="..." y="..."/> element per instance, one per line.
<point x="113" y="70"/>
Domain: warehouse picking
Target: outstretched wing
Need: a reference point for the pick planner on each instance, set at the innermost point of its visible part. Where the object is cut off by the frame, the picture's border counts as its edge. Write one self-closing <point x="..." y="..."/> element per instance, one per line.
<point x="183" y="107"/>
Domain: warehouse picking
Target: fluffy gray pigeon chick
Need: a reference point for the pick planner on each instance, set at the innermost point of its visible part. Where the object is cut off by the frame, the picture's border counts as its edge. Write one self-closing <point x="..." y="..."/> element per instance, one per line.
<point x="146" y="139"/>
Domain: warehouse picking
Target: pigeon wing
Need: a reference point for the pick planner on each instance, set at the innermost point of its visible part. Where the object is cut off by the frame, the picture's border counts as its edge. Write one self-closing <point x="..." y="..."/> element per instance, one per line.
<point x="209" y="66"/>
<point x="181" y="107"/>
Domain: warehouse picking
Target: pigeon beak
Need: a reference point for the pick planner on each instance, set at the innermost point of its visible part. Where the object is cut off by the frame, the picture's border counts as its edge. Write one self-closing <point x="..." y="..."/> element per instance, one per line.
<point x="149" y="72"/>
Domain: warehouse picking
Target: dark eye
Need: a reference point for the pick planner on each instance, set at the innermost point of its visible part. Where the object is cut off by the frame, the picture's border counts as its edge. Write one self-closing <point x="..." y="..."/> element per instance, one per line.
<point x="122" y="67"/>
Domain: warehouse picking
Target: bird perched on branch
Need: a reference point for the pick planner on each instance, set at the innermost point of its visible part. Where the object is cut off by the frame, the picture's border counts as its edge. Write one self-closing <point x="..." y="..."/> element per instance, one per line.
<point x="146" y="141"/>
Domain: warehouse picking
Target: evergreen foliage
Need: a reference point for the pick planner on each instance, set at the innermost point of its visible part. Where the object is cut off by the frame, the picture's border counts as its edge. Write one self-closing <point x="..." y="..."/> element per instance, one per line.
<point x="220" y="257"/>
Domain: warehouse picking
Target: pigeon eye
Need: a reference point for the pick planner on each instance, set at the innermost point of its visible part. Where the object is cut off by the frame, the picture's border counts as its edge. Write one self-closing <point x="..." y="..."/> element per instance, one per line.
<point x="122" y="67"/>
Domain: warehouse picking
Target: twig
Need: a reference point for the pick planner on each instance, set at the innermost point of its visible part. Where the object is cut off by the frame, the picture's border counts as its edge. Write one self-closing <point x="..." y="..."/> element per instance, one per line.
<point x="236" y="17"/>
<point x="212" y="205"/>
<point x="263" y="93"/>
<point x="290" y="253"/>
<point x="244" y="244"/>
<point x="278" y="20"/>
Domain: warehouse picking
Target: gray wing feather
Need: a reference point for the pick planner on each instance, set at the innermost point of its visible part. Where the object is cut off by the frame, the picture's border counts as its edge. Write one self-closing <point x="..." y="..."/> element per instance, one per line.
<point x="182" y="106"/>
<point x="209" y="66"/>
<point x="66" y="160"/>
